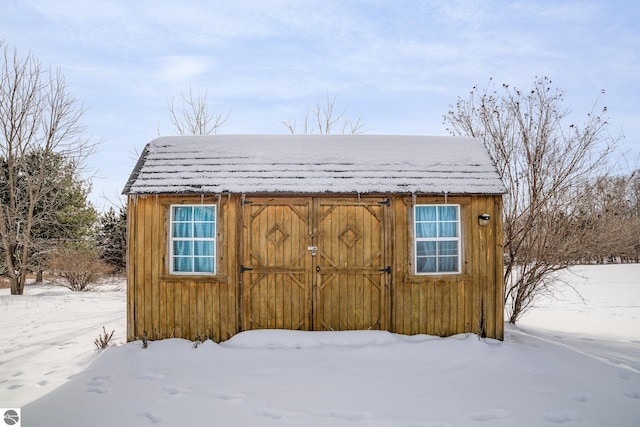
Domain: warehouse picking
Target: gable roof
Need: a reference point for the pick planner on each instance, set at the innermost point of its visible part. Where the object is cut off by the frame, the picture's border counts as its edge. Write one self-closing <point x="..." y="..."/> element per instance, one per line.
<point x="314" y="164"/>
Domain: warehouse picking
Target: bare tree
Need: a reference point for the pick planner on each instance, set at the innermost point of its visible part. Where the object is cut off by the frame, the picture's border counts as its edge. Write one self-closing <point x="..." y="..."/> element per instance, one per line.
<point x="543" y="161"/>
<point x="609" y="211"/>
<point x="39" y="124"/>
<point x="323" y="118"/>
<point x="195" y="117"/>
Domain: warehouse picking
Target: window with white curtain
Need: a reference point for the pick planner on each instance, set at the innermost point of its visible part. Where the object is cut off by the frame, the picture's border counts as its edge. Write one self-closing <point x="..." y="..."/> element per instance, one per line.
<point x="193" y="239"/>
<point x="437" y="239"/>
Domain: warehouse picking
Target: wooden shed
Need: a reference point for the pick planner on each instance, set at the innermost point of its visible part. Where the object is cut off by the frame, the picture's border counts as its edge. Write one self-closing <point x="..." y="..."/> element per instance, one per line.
<point x="228" y="233"/>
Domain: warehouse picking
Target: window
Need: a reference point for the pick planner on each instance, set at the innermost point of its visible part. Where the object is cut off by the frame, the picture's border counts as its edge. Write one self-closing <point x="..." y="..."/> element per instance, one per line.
<point x="437" y="239"/>
<point x="193" y="239"/>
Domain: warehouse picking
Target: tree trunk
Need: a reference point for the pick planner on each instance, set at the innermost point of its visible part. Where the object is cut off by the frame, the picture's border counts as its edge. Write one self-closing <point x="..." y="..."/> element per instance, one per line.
<point x="17" y="284"/>
<point x="39" y="276"/>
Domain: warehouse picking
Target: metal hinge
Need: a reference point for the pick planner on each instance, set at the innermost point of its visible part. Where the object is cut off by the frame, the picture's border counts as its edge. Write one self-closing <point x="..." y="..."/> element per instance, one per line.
<point x="385" y="202"/>
<point x="243" y="269"/>
<point x="387" y="270"/>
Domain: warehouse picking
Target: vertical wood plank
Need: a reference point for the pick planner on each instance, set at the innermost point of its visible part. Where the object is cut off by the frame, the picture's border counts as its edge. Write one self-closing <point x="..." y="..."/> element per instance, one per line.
<point x="185" y="311"/>
<point x="147" y="263"/>
<point x="404" y="236"/>
<point x="415" y="308"/>
<point x="231" y="309"/>
<point x="194" y="319"/>
<point x="489" y="265"/>
<point x="200" y="310"/>
<point x="131" y="268"/>
<point x="461" y="310"/>
<point x="156" y="236"/>
<point x="452" y="307"/>
<point x="476" y="269"/>
<point x="499" y="267"/>
<point x="208" y="313"/>
<point x="178" y="323"/>
<point x="171" y="309"/>
<point x="217" y="308"/>
<point x="162" y="321"/>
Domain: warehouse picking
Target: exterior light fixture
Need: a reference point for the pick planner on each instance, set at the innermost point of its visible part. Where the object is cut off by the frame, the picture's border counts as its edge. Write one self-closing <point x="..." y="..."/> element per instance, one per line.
<point x="484" y="219"/>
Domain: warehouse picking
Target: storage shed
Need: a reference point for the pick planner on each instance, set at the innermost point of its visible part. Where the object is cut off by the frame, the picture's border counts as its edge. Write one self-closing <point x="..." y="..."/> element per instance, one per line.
<point x="228" y="233"/>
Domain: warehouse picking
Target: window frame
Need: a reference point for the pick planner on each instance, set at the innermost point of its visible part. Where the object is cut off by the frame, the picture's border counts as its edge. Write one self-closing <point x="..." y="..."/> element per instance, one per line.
<point x="457" y="239"/>
<point x="193" y="239"/>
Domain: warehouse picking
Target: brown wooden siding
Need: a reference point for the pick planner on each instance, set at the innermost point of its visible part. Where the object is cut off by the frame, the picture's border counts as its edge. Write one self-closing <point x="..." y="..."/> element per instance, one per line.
<point x="161" y="305"/>
<point x="451" y="303"/>
<point x="341" y="287"/>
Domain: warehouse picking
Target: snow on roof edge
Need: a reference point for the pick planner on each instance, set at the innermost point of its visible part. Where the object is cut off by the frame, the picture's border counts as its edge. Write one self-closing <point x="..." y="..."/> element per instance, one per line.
<point x="274" y="151"/>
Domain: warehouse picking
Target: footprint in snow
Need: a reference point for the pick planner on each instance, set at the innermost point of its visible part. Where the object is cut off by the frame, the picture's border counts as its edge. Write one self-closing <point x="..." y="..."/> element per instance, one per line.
<point x="173" y="390"/>
<point x="153" y="418"/>
<point x="624" y="375"/>
<point x="95" y="384"/>
<point x="560" y="417"/>
<point x="350" y="415"/>
<point x="223" y="395"/>
<point x="271" y="413"/>
<point x="582" y="396"/>
<point x="492" y="414"/>
<point x="150" y="376"/>
<point x="99" y="380"/>
<point x="434" y="424"/>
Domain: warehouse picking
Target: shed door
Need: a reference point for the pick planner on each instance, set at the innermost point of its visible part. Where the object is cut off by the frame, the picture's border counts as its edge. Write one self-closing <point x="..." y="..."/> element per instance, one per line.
<point x="314" y="264"/>
<point x="277" y="267"/>
<point x="350" y="266"/>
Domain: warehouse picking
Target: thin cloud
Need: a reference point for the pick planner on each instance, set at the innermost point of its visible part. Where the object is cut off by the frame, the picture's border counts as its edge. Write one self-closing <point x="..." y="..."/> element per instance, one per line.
<point x="177" y="70"/>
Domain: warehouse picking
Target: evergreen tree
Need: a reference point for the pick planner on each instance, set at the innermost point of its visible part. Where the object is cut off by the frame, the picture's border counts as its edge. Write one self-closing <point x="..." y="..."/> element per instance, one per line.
<point x="111" y="237"/>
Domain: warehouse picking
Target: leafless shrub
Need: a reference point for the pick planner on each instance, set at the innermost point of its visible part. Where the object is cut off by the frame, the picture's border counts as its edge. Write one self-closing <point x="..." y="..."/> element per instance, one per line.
<point x="76" y="268"/>
<point x="145" y="340"/>
<point x="103" y="339"/>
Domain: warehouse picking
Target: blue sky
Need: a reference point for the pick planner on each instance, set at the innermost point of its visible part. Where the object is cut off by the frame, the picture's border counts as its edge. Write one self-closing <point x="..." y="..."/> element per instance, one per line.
<point x="397" y="65"/>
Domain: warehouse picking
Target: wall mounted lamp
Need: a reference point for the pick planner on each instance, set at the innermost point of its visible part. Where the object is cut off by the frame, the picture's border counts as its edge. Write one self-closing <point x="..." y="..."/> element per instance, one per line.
<point x="484" y="219"/>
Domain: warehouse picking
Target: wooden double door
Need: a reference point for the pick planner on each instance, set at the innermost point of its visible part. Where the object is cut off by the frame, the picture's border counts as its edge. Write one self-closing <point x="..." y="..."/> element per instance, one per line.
<point x="315" y="263"/>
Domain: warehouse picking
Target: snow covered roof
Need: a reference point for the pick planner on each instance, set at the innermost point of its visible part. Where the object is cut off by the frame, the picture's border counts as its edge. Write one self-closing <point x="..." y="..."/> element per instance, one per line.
<point x="314" y="164"/>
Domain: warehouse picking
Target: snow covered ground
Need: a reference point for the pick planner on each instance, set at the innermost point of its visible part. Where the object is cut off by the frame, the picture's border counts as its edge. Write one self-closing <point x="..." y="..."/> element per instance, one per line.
<point x="571" y="361"/>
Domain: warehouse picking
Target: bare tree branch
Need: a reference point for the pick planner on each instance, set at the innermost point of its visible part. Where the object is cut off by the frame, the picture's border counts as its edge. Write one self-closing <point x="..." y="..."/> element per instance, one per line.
<point x="195" y="117"/>
<point x="321" y="118"/>
<point x="543" y="161"/>
<point x="39" y="126"/>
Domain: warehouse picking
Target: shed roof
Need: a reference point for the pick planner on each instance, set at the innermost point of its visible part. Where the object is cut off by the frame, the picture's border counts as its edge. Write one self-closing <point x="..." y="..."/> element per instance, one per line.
<point x="314" y="164"/>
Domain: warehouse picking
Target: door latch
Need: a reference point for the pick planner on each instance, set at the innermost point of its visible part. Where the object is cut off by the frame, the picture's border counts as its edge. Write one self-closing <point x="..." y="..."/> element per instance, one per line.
<point x="313" y="250"/>
<point x="387" y="270"/>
